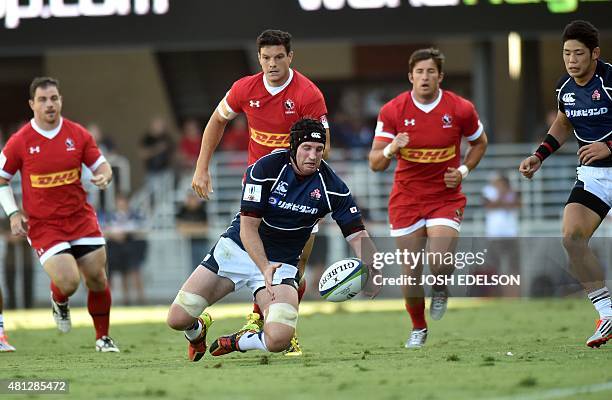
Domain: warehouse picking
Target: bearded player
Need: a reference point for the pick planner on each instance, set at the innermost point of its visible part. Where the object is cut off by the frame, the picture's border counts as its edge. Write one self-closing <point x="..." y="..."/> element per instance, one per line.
<point x="59" y="223"/>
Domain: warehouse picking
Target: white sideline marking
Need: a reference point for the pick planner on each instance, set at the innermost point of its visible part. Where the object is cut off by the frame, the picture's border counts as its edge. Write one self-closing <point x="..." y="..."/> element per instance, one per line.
<point x="560" y="393"/>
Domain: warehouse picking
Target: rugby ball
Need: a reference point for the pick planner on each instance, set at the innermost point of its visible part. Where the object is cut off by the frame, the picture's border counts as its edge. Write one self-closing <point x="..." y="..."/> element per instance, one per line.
<point x="343" y="280"/>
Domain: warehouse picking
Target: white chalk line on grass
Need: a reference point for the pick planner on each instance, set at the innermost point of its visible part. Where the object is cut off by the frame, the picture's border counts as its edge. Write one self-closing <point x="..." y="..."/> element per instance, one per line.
<point x="560" y="393"/>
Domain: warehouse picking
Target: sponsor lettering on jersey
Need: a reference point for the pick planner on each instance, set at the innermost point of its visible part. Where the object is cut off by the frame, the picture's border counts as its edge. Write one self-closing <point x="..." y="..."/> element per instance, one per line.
<point x="297" y="207"/>
<point x="587" y="112"/>
<point x="428" y="155"/>
<point x="270" y="139"/>
<point x="55" y="179"/>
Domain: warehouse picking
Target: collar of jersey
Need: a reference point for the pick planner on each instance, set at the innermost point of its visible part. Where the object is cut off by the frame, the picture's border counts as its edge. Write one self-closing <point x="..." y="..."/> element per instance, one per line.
<point x="426" y="108"/>
<point x="274" y="90"/>
<point x="48" y="134"/>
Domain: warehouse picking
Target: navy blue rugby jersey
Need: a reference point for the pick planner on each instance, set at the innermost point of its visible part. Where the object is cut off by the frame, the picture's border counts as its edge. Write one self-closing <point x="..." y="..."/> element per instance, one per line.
<point x="290" y="206"/>
<point x="589" y="107"/>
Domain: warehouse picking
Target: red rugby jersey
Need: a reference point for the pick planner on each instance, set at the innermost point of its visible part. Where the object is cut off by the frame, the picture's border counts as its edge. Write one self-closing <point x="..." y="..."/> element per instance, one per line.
<point x="270" y="111"/>
<point x="50" y="166"/>
<point x="435" y="131"/>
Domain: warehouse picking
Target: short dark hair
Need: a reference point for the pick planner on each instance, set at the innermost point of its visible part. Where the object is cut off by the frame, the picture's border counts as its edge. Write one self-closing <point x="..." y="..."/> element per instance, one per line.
<point x="42" y="82"/>
<point x="273" y="37"/>
<point x="582" y="31"/>
<point x="426" y="54"/>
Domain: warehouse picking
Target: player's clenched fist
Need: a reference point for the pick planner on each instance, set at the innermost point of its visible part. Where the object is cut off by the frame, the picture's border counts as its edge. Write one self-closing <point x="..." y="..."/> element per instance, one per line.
<point x="399" y="142"/>
<point x="19" y="224"/>
<point x="202" y="184"/>
<point x="452" y="178"/>
<point x="529" y="166"/>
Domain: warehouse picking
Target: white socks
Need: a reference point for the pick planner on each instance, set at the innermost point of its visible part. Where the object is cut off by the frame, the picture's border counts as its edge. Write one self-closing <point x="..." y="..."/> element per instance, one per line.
<point x="601" y="300"/>
<point x="1" y="325"/>
<point x="252" y="341"/>
<point x="194" y="332"/>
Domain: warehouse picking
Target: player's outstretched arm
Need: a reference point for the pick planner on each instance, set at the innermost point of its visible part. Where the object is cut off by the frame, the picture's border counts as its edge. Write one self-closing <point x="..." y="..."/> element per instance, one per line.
<point x="103" y="175"/>
<point x="382" y="152"/>
<point x="202" y="182"/>
<point x="364" y="249"/>
<point x="558" y="133"/>
<point x="249" y="235"/>
<point x="19" y="223"/>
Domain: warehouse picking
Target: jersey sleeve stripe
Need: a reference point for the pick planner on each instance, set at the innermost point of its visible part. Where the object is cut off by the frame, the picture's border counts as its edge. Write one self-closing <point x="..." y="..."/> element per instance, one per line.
<point x="5" y="175"/>
<point x="353" y="235"/>
<point x="96" y="164"/>
<point x="385" y="135"/>
<point x="476" y="134"/>
<point x="229" y="109"/>
<point x="325" y="191"/>
<point x="267" y="179"/>
<point x="340" y="194"/>
<point x="603" y="85"/>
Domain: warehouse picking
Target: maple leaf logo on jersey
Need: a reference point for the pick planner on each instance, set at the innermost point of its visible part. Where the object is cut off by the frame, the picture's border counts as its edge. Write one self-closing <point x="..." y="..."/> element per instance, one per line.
<point x="596" y="96"/>
<point x="289" y="105"/>
<point x="315" y="194"/>
<point x="447" y="121"/>
<point x="70" y="145"/>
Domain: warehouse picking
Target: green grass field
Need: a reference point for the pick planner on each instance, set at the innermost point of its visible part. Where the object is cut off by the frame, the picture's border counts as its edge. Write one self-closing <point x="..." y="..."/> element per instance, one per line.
<point x="348" y="355"/>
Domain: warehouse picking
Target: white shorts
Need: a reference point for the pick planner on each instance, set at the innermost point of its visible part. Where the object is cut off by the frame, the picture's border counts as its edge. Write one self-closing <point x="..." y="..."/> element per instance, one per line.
<point x="228" y="260"/>
<point x="597" y="181"/>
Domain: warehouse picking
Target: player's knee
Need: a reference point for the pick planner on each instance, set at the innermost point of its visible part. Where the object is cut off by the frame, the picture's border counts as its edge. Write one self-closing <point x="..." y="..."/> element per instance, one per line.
<point x="185" y="307"/>
<point x="96" y="281"/>
<point x="284" y="316"/>
<point x="178" y="319"/>
<point x="67" y="285"/>
<point x="278" y="340"/>
<point x="574" y="239"/>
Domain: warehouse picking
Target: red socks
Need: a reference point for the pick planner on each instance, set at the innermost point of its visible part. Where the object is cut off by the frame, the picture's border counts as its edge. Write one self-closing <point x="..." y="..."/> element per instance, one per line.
<point x="417" y="314"/>
<point x="57" y="294"/>
<point x="98" y="305"/>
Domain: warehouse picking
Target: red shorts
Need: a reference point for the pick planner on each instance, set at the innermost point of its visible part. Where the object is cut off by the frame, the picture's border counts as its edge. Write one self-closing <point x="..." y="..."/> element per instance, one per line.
<point x="51" y="236"/>
<point x="409" y="211"/>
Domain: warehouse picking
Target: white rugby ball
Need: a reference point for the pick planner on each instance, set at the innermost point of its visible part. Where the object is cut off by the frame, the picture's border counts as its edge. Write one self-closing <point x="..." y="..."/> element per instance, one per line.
<point x="343" y="280"/>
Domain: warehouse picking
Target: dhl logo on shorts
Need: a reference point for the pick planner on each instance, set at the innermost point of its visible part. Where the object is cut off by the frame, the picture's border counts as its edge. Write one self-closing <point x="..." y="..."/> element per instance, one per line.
<point x="270" y="139"/>
<point x="55" y="179"/>
<point x="428" y="155"/>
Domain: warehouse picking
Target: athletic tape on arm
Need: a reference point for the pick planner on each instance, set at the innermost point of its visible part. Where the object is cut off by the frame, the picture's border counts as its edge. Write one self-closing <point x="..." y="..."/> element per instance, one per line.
<point x="192" y="303"/>
<point x="7" y="200"/>
<point x="282" y="313"/>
